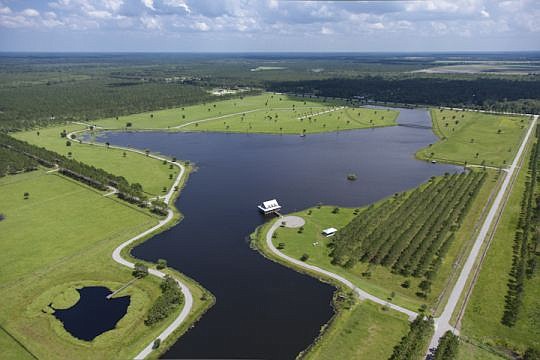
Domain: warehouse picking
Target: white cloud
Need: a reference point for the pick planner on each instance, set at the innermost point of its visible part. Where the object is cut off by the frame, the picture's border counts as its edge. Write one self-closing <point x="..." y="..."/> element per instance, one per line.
<point x="113" y="5"/>
<point x="30" y="12"/>
<point x="326" y="30"/>
<point x="151" y="22"/>
<point x="149" y="4"/>
<point x="5" y="10"/>
<point x="484" y="13"/>
<point x="178" y="4"/>
<point x="376" y="26"/>
<point x="202" y="26"/>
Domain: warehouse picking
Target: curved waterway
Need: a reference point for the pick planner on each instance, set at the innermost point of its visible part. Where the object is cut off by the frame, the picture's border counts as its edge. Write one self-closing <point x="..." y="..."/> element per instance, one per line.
<point x="265" y="310"/>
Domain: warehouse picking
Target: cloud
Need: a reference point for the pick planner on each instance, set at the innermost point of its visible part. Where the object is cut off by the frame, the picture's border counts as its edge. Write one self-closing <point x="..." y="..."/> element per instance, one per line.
<point x="326" y="31"/>
<point x="283" y="22"/>
<point x="202" y="26"/>
<point x="30" y="12"/>
<point x="149" y="4"/>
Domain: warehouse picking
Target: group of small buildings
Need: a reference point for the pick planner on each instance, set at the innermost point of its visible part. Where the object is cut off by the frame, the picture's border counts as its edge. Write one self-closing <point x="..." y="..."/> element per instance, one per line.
<point x="272" y="206"/>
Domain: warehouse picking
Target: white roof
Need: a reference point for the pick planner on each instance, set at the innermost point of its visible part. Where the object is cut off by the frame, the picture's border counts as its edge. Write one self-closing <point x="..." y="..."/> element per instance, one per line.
<point x="270" y="204"/>
<point x="329" y="230"/>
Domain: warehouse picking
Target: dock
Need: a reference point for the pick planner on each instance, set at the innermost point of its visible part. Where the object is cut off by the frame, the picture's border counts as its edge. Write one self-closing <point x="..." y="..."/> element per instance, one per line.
<point x="121" y="288"/>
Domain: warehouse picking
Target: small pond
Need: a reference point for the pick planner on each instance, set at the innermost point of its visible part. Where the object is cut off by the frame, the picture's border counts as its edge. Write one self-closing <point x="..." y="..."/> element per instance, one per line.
<point x="93" y="314"/>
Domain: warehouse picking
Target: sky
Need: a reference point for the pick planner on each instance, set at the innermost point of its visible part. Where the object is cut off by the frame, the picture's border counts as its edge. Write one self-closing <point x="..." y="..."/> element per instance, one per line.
<point x="269" y="25"/>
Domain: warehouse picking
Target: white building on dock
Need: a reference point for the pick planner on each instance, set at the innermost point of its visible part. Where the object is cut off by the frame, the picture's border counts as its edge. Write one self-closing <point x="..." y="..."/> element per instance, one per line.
<point x="269" y="206"/>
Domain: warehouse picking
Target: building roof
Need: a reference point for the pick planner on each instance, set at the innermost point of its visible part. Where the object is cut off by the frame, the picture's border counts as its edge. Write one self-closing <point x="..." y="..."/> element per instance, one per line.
<point x="270" y="204"/>
<point x="329" y="231"/>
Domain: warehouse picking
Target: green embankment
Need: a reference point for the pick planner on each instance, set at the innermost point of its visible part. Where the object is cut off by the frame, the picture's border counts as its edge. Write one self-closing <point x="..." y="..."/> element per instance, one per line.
<point x="59" y="239"/>
<point x="475" y="138"/>
<point x="153" y="179"/>
<point x="482" y="319"/>
<point x="266" y="113"/>
<point x="364" y="331"/>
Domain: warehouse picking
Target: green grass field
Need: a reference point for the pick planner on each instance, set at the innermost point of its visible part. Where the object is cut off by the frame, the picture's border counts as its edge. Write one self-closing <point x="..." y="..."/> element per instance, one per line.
<point x="155" y="176"/>
<point x="468" y="351"/>
<point x="464" y="134"/>
<point x="482" y="320"/>
<point x="266" y="113"/>
<point x="381" y="283"/>
<point x="363" y="332"/>
<point x="57" y="240"/>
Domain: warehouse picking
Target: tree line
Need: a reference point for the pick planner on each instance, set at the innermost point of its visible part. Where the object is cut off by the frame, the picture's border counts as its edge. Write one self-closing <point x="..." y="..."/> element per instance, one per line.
<point x="12" y="162"/>
<point x="494" y="94"/>
<point x="448" y="347"/>
<point x="90" y="175"/>
<point x="414" y="344"/>
<point x="410" y="232"/>
<point x="526" y="241"/>
<point x="171" y="297"/>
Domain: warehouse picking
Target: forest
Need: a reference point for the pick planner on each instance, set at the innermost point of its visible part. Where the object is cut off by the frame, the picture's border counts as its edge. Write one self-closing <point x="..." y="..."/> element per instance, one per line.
<point x="410" y="232"/>
<point x="23" y="156"/>
<point x="486" y="93"/>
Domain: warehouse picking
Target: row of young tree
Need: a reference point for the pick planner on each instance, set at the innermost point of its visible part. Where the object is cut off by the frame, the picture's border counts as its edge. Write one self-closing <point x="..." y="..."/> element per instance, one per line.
<point x="496" y="94"/>
<point x="410" y="232"/>
<point x="90" y="175"/>
<point x="171" y="298"/>
<point x="414" y="344"/>
<point x="12" y="162"/>
<point x="526" y="241"/>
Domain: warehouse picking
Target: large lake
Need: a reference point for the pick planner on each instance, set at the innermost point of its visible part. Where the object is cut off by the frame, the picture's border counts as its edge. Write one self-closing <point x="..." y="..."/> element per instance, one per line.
<point x="265" y="310"/>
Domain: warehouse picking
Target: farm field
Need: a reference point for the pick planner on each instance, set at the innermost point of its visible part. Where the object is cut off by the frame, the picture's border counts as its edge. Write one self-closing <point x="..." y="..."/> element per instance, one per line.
<point x="57" y="240"/>
<point x="475" y="138"/>
<point x="376" y="279"/>
<point x="486" y="306"/>
<point x="363" y="331"/>
<point x="155" y="177"/>
<point x="266" y="113"/>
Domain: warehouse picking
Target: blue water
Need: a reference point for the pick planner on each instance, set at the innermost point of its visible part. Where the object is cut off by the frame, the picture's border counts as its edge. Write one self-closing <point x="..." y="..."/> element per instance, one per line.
<point x="93" y="314"/>
<point x="265" y="310"/>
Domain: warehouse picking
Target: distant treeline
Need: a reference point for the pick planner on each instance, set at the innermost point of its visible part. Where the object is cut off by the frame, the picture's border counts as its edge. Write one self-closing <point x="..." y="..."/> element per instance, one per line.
<point x="16" y="150"/>
<point x="25" y="107"/>
<point x="495" y="94"/>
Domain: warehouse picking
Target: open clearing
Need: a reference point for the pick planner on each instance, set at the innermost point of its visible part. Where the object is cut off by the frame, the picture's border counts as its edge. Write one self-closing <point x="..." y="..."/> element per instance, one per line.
<point x="364" y="331"/>
<point x="266" y="113"/>
<point x="474" y="137"/>
<point x="59" y="239"/>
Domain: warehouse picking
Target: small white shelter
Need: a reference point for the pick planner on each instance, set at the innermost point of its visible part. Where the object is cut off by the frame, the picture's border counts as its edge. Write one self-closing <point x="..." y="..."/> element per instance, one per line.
<point x="329" y="232"/>
<point x="269" y="206"/>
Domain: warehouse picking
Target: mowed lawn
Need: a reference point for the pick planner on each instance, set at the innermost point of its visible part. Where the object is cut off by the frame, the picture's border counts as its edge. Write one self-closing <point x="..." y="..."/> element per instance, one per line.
<point x="475" y="138"/>
<point x="382" y="282"/>
<point x="265" y="113"/>
<point x="485" y="309"/>
<point x="154" y="178"/>
<point x="57" y="240"/>
<point x="363" y="332"/>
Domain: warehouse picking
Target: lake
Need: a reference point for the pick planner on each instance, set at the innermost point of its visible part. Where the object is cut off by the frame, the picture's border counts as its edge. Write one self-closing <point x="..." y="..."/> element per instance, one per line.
<point x="265" y="310"/>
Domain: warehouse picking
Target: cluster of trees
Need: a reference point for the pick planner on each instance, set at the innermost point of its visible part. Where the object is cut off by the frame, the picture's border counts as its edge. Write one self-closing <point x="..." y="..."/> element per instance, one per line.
<point x="171" y="297"/>
<point x="90" y="175"/>
<point x="414" y="344"/>
<point x="410" y="232"/>
<point x="448" y="347"/>
<point x="526" y="241"/>
<point x="12" y="162"/>
<point x="478" y="92"/>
